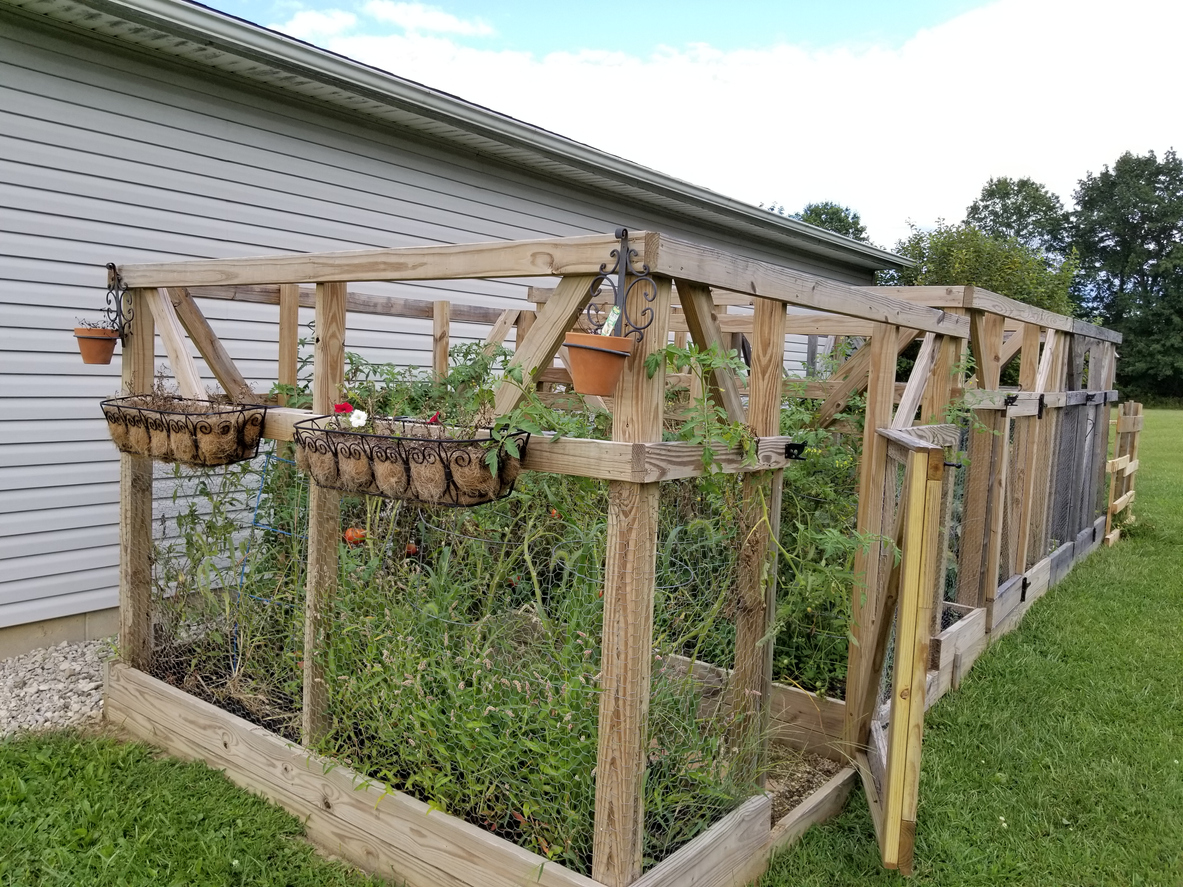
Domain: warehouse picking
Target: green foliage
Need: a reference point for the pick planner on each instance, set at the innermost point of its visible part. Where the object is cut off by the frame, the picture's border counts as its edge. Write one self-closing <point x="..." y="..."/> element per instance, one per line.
<point x="835" y="217"/>
<point x="1022" y="210"/>
<point x="1128" y="230"/>
<point x="960" y="255"/>
<point x="80" y="812"/>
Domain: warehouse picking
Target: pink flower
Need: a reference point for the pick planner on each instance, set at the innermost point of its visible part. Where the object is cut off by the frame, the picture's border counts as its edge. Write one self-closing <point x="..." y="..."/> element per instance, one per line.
<point x="342" y="408"/>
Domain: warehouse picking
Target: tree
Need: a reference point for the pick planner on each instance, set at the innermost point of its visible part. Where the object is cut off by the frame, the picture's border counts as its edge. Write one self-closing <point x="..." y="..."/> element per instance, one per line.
<point x="835" y="217"/>
<point x="1128" y="232"/>
<point x="960" y="255"/>
<point x="1024" y="210"/>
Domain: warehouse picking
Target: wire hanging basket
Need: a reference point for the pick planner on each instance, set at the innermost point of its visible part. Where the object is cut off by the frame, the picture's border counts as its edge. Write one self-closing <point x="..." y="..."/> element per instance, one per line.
<point x="180" y="429"/>
<point x="407" y="459"/>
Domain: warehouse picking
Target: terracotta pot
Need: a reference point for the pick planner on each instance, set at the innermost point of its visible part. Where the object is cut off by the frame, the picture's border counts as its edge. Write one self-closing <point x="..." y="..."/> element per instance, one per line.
<point x="96" y="345"/>
<point x="597" y="361"/>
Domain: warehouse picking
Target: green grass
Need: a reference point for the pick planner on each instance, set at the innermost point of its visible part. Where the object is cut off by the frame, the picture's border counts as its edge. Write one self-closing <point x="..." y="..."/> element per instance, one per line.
<point x="1060" y="760"/>
<point x="87" y="811"/>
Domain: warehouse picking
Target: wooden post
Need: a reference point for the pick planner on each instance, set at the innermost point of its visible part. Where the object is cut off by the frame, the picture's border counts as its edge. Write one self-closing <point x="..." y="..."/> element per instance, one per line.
<point x="135" y="498"/>
<point x="440" y="338"/>
<point x="986" y="342"/>
<point x="702" y="320"/>
<point x="996" y="509"/>
<point x="628" y="613"/>
<point x="939" y="393"/>
<point x="975" y="511"/>
<point x="324" y="513"/>
<point x="289" y="336"/>
<point x="210" y="347"/>
<point x="883" y="349"/>
<point x="1027" y="441"/>
<point x="751" y="683"/>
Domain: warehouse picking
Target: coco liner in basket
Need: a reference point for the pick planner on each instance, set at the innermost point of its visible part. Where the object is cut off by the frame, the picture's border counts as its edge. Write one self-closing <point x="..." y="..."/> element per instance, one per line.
<point x="178" y="429"/>
<point x="405" y="459"/>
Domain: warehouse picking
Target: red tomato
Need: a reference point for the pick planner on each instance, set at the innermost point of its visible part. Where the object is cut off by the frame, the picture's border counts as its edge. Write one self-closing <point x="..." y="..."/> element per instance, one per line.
<point x="355" y="536"/>
<point x="554" y="512"/>
<point x="412" y="549"/>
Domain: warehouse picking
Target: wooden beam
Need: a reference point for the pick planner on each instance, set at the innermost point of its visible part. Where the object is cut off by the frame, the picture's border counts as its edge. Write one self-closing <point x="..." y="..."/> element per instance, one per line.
<point x="629" y="577"/>
<point x="210" y="347"/>
<point x="289" y="336"/>
<point x="441" y="332"/>
<point x="552" y="325"/>
<point x="135" y="497"/>
<point x="854" y="377"/>
<point x="173" y="336"/>
<point x="552" y="257"/>
<point x="500" y="331"/>
<point x="702" y="323"/>
<point x="938" y="396"/>
<point x="986" y="343"/>
<point x="716" y="268"/>
<point x="324" y="513"/>
<point x="755" y="598"/>
<point x="918" y="381"/>
<point x="1028" y="443"/>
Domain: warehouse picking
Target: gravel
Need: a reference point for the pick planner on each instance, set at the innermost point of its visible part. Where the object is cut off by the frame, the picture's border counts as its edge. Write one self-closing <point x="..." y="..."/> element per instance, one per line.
<point x="57" y="687"/>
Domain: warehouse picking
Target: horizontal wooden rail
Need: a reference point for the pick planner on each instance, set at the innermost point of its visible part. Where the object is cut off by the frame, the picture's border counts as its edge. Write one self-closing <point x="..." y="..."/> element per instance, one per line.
<point x="602" y="459"/>
<point x="356" y="303"/>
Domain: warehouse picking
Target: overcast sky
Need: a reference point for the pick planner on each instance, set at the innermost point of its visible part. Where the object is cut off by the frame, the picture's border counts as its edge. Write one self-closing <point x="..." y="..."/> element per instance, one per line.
<point x="900" y="110"/>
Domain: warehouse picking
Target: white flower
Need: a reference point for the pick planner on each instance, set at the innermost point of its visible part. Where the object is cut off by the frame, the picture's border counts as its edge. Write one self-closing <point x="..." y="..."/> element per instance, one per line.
<point x="358" y="418"/>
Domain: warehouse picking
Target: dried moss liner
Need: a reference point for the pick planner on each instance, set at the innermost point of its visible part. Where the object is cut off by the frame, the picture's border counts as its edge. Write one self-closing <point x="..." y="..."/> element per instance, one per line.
<point x="196" y="433"/>
<point x="426" y="466"/>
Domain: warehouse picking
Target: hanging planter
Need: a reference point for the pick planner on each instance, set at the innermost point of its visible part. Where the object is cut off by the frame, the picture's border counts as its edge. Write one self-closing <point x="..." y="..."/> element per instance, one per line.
<point x="597" y="361"/>
<point x="401" y="458"/>
<point x="178" y="429"/>
<point x="97" y="344"/>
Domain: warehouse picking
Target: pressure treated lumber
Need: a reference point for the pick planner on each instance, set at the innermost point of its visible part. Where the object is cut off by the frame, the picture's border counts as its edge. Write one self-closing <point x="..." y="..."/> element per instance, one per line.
<point x="629" y="578"/>
<point x="173" y="336"/>
<point x="210" y="347"/>
<point x="717" y="268"/>
<point x="289" y="337"/>
<point x="1027" y="440"/>
<point x="500" y="330"/>
<point x="759" y="525"/>
<point x="324" y="513"/>
<point x="854" y="377"/>
<point x="441" y="326"/>
<point x="552" y="257"/>
<point x="376" y="828"/>
<point x="918" y="381"/>
<point x="538" y="352"/>
<point x="702" y="323"/>
<point x="135" y="496"/>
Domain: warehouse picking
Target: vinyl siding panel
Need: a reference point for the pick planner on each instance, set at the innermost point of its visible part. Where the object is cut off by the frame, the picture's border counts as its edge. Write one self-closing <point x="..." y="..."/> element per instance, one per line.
<point x="109" y="155"/>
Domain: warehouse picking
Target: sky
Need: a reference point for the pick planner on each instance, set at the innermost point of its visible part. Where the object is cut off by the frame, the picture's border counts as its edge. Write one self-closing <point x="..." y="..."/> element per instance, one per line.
<point x="900" y="109"/>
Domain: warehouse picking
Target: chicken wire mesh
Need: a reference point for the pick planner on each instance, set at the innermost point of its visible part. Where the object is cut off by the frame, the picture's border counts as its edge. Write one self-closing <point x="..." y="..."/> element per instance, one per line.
<point x="463" y="647"/>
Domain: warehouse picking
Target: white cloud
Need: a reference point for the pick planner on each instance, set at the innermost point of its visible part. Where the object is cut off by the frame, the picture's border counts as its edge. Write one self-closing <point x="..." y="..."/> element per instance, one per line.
<point x="418" y="17"/>
<point x="1045" y="88"/>
<point x="314" y="26"/>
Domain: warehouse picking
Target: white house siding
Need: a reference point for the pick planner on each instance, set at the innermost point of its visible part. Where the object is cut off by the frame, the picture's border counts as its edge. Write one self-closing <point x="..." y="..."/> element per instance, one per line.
<point x="106" y="155"/>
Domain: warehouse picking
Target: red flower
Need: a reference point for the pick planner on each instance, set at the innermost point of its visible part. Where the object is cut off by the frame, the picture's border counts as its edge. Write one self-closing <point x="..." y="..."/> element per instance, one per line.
<point x="342" y="408"/>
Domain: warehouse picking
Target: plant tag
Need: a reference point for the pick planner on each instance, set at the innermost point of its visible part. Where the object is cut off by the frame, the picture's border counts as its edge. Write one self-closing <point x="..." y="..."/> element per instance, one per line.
<point x="610" y="323"/>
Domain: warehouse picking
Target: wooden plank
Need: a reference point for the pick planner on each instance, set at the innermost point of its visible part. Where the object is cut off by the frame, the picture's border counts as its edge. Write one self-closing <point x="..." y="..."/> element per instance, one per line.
<point x="376" y="828"/>
<point x="702" y="323"/>
<point x="289" y="336"/>
<point x="552" y="257"/>
<point x="917" y="381"/>
<point x="1028" y="443"/>
<point x="755" y="598"/>
<point x="716" y="268"/>
<point x="324" y="513"/>
<point x="525" y="323"/>
<point x="871" y="791"/>
<point x="854" y="378"/>
<point x="1127" y="424"/>
<point x="873" y="483"/>
<point x="135" y="496"/>
<point x="996" y="512"/>
<point x="984" y="300"/>
<point x="546" y="336"/>
<point x="210" y="347"/>
<point x="500" y="331"/>
<point x="986" y="343"/>
<point x="945" y="377"/>
<point x="711" y="859"/>
<point x="629" y="576"/>
<point x="173" y="336"/>
<point x="441" y="332"/>
<point x="1123" y="503"/>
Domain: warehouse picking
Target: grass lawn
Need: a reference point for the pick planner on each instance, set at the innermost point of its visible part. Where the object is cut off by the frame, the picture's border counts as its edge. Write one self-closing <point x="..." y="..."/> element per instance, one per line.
<point x="1060" y="760"/>
<point x="1057" y="763"/>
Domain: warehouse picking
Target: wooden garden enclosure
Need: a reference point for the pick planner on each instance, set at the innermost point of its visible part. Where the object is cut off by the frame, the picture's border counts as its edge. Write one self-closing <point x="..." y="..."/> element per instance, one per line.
<point x="1030" y="503"/>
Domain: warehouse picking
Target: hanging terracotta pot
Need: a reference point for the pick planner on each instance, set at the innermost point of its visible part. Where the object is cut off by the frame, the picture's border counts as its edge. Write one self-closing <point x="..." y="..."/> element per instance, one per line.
<point x="597" y="361"/>
<point x="96" y="344"/>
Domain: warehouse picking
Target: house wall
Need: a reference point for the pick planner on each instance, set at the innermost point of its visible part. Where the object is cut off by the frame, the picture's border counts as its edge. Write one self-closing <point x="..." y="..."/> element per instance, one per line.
<point x="108" y="155"/>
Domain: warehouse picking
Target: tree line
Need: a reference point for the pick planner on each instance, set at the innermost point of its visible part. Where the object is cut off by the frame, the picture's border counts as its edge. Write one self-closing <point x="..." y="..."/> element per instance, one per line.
<point x="1115" y="257"/>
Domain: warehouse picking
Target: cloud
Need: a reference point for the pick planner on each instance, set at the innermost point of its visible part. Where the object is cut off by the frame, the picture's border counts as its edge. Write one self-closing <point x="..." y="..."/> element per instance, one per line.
<point x="1044" y="88"/>
<point x="314" y="26"/>
<point x="418" y="17"/>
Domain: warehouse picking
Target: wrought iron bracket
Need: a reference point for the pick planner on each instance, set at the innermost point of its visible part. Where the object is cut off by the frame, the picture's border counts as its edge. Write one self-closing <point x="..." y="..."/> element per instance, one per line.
<point x="1039" y="415"/>
<point x="1010" y="400"/>
<point x="623" y="278"/>
<point x="118" y="313"/>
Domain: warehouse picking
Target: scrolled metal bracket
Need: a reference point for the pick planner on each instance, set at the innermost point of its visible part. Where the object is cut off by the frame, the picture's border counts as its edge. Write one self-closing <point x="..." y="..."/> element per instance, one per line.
<point x="623" y="278"/>
<point x="118" y="314"/>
